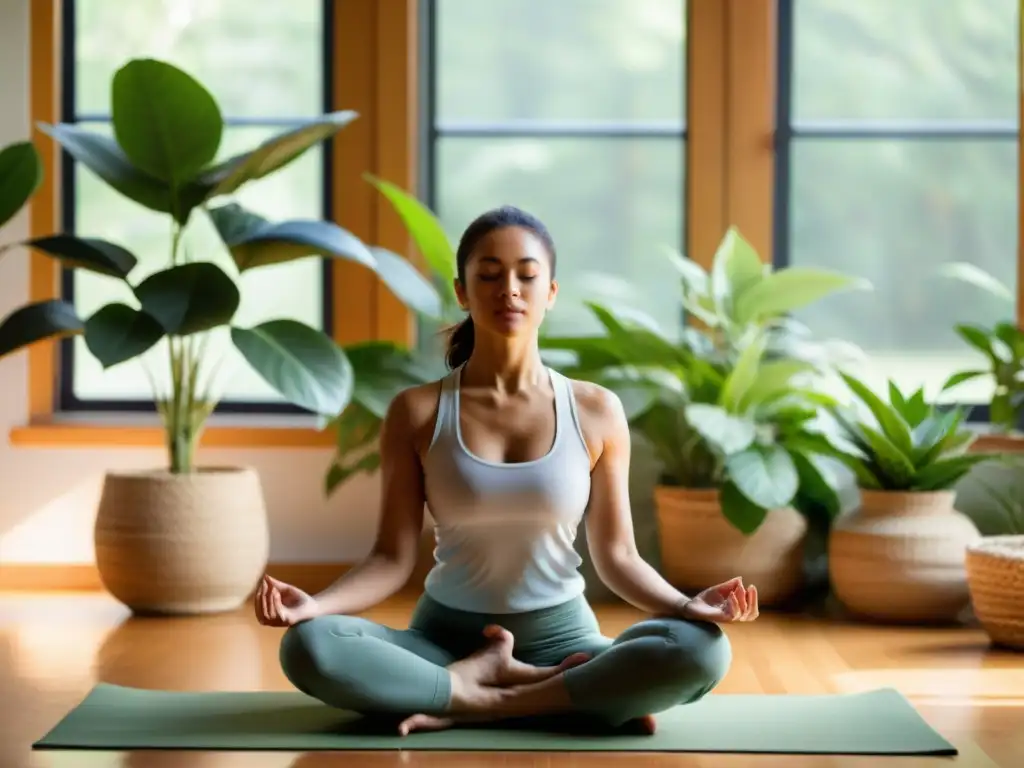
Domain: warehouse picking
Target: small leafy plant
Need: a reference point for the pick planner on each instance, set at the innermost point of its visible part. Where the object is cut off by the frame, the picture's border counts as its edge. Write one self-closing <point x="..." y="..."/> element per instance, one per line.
<point x="167" y="131"/>
<point x="905" y="444"/>
<point x="1002" y="346"/>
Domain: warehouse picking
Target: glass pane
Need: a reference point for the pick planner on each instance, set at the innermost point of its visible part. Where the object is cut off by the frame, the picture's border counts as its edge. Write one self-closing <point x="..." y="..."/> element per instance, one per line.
<point x="893" y="212"/>
<point x="258" y="59"/>
<point x="617" y="60"/>
<point x="905" y="59"/>
<point x="293" y="290"/>
<point x="612" y="206"/>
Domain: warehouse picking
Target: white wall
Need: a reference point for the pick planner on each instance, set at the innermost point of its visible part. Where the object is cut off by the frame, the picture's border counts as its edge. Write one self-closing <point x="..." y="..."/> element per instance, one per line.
<point x="48" y="497"/>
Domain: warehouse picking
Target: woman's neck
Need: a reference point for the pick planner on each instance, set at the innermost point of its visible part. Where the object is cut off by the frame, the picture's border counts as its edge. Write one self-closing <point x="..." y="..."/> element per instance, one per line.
<point x="510" y="368"/>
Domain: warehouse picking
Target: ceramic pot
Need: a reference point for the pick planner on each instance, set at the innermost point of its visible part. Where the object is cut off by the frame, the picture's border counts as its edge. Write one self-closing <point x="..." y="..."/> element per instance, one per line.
<point x="899" y="557"/>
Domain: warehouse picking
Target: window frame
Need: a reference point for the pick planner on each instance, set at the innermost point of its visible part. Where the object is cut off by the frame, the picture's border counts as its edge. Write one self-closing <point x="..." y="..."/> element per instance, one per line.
<point x="788" y="130"/>
<point x="67" y="400"/>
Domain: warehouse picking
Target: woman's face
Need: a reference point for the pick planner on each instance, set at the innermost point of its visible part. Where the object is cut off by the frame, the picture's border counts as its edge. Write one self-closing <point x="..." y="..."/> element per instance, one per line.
<point x="508" y="287"/>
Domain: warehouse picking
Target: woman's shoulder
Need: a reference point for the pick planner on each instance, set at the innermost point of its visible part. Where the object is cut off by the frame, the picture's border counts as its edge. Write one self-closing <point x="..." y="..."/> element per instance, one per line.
<point x="595" y="400"/>
<point x="416" y="408"/>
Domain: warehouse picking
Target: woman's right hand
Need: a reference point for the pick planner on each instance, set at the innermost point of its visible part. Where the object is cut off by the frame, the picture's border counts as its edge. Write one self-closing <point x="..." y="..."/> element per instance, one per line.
<point x="278" y="604"/>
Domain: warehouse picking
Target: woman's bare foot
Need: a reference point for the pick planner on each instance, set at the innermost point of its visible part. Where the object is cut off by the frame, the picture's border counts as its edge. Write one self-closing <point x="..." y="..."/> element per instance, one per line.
<point x="479" y="680"/>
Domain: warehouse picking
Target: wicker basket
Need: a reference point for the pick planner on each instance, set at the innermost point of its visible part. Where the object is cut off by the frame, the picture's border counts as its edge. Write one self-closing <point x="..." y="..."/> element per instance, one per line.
<point x="995" y="575"/>
<point x="182" y="544"/>
<point x="700" y="548"/>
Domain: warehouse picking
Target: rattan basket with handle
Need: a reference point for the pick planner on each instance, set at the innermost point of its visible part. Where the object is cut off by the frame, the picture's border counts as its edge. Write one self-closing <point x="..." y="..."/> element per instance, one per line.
<point x="995" y="576"/>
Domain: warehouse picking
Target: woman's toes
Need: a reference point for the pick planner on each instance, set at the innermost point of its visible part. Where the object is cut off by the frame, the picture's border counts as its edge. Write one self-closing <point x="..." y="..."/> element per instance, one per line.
<point x="424" y="723"/>
<point x="574" y="661"/>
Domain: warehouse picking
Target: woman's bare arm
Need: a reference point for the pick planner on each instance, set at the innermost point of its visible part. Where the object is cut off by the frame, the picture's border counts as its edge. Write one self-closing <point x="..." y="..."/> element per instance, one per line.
<point x="392" y="559"/>
<point x="610" y="536"/>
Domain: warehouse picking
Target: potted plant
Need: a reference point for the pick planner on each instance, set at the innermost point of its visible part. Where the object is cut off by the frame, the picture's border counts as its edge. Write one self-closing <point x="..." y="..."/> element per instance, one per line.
<point x="899" y="555"/>
<point x="729" y="410"/>
<point x="184" y="537"/>
<point x="1002" y="348"/>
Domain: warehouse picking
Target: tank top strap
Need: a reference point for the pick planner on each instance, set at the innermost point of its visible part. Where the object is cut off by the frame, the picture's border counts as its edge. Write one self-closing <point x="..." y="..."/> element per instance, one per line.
<point x="567" y="414"/>
<point x="447" y="407"/>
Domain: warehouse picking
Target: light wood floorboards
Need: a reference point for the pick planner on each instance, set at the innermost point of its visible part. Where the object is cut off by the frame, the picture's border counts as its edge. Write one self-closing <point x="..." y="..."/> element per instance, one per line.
<point x="54" y="647"/>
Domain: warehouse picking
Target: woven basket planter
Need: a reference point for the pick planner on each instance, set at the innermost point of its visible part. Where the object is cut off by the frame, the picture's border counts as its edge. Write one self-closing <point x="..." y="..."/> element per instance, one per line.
<point x="899" y="557"/>
<point x="182" y="544"/>
<point x="700" y="548"/>
<point x="995" y="575"/>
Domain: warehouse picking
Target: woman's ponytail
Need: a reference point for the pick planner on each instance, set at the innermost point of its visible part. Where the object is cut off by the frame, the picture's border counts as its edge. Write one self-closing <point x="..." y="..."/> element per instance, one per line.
<point x="460" y="343"/>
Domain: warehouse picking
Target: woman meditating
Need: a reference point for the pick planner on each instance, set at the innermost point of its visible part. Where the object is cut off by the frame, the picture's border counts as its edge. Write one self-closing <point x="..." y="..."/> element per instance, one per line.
<point x="510" y="456"/>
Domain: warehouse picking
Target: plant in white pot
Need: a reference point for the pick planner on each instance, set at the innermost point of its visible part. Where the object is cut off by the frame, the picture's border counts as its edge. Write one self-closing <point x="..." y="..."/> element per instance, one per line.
<point x="899" y="555"/>
<point x="730" y="411"/>
<point x="187" y="538"/>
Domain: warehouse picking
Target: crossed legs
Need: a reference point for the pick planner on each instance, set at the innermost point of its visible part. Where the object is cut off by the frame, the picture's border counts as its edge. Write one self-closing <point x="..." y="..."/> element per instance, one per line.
<point x="356" y="664"/>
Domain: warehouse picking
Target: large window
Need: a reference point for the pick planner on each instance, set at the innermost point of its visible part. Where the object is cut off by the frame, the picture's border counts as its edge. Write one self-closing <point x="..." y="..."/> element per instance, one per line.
<point x="266" y="64"/>
<point x="898" y="136"/>
<point x="575" y="111"/>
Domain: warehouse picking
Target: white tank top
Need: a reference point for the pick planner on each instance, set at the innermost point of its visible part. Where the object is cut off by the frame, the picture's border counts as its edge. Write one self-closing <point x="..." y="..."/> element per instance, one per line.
<point x="505" y="533"/>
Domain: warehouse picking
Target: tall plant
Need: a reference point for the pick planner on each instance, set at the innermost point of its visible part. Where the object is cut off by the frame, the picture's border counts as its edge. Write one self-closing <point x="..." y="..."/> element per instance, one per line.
<point x="732" y="404"/>
<point x="167" y="133"/>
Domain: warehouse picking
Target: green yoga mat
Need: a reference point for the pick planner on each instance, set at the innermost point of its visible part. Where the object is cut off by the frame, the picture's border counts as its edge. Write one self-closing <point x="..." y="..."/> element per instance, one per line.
<point x="111" y="717"/>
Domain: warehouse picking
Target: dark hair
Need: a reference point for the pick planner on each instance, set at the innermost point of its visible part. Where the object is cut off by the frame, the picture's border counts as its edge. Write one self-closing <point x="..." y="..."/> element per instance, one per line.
<point x="462" y="336"/>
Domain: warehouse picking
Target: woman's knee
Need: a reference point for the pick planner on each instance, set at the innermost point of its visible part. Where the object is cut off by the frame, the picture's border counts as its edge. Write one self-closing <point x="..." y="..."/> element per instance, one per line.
<point x="306" y="649"/>
<point x="699" y="654"/>
<point x="693" y="657"/>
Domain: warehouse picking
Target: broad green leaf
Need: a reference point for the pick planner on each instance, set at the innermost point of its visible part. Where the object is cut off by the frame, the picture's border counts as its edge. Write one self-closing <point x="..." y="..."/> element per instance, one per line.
<point x="974" y="275"/>
<point x="788" y="290"/>
<point x="589" y="351"/>
<point x="817" y="481"/>
<point x="116" y="333"/>
<point x="735" y="269"/>
<point x="959" y="378"/>
<point x="744" y="514"/>
<point x="424" y="228"/>
<point x="383" y="369"/>
<point x="638" y="346"/>
<point x="87" y="253"/>
<point x="256" y="242"/>
<point x="774" y="378"/>
<point x="946" y="473"/>
<point x="26" y="325"/>
<point x="743" y="375"/>
<point x="407" y="283"/>
<point x="101" y="155"/>
<point x="21" y="173"/>
<point x="166" y="122"/>
<point x="730" y="434"/>
<point x="893" y="426"/>
<point x="189" y="298"/>
<point x="304" y="365"/>
<point x="764" y="474"/>
<point x="274" y="153"/>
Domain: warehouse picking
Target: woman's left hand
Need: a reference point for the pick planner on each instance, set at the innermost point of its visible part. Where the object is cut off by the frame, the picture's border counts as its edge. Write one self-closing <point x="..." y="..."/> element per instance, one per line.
<point x="724" y="603"/>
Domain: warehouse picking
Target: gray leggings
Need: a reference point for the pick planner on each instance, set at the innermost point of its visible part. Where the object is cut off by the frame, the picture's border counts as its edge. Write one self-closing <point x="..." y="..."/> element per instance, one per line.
<point x="356" y="664"/>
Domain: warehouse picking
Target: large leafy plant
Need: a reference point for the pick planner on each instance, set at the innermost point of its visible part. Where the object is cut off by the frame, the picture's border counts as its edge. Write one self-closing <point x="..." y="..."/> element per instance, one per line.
<point x="730" y="404"/>
<point x="1002" y="349"/>
<point x="902" y="443"/>
<point x="167" y="132"/>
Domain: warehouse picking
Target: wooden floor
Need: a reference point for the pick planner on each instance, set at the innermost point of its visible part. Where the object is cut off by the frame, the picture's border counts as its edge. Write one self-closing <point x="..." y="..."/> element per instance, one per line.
<point x="55" y="647"/>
